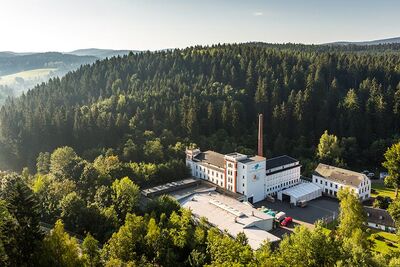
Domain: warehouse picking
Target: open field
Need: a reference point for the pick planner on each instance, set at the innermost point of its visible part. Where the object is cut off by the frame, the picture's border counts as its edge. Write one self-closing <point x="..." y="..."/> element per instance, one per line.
<point x="26" y="75"/>
<point x="382" y="190"/>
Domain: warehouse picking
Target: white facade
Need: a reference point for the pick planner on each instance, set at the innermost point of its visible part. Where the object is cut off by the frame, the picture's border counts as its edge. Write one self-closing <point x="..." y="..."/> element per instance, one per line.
<point x="254" y="177"/>
<point x="332" y="179"/>
<point x="278" y="181"/>
<point x="381" y="227"/>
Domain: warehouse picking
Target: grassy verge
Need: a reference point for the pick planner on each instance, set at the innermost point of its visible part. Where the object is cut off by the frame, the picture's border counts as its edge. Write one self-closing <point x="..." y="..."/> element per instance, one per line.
<point x="382" y="190"/>
<point x="384" y="242"/>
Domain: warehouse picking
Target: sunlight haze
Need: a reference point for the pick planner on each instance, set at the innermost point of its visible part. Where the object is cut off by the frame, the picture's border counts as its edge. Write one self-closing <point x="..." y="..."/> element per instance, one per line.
<point x="45" y="25"/>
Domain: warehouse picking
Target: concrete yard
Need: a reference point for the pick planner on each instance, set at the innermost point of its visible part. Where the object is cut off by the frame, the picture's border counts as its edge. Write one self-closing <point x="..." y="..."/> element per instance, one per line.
<point x="316" y="209"/>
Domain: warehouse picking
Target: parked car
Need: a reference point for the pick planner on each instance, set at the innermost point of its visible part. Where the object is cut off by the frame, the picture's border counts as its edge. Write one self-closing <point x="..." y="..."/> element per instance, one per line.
<point x="383" y="175"/>
<point x="301" y="203"/>
<point x="287" y="221"/>
<point x="370" y="175"/>
<point x="280" y="216"/>
<point x="270" y="199"/>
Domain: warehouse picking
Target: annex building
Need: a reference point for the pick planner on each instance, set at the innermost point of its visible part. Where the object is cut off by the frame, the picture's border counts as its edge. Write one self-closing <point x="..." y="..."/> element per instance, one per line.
<point x="331" y="179"/>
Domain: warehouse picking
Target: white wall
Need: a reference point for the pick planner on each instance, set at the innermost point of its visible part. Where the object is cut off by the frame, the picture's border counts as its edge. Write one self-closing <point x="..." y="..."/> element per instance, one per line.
<point x="207" y="173"/>
<point x="331" y="188"/>
<point x="278" y="181"/>
<point x="381" y="227"/>
<point x="254" y="174"/>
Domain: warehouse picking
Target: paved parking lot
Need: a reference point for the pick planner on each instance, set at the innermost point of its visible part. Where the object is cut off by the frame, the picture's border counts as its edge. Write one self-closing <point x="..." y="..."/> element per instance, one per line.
<point x="315" y="210"/>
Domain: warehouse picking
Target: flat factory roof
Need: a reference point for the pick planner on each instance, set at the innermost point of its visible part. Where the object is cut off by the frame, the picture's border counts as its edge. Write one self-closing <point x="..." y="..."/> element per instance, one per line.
<point x="279" y="161"/>
<point x="229" y="214"/>
<point x="166" y="188"/>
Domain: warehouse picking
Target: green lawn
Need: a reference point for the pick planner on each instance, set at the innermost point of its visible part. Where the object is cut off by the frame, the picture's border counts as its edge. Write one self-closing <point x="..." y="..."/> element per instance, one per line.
<point x="382" y="190"/>
<point x="382" y="246"/>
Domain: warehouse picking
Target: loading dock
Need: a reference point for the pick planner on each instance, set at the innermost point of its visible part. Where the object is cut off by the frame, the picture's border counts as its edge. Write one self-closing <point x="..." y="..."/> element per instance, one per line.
<point x="301" y="192"/>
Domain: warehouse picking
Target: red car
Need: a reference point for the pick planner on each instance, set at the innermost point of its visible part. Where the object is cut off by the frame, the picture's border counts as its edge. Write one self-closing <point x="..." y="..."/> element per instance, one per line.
<point x="287" y="221"/>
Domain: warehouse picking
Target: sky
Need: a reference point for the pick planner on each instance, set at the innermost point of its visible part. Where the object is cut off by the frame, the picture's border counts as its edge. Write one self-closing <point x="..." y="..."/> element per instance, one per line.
<point x="66" y="25"/>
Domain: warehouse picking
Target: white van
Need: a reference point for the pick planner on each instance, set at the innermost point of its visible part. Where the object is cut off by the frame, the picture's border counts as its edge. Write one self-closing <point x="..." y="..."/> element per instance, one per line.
<point x="280" y="216"/>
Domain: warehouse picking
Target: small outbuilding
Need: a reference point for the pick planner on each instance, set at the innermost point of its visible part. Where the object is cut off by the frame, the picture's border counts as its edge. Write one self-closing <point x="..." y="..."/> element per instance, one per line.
<point x="380" y="219"/>
<point x="301" y="192"/>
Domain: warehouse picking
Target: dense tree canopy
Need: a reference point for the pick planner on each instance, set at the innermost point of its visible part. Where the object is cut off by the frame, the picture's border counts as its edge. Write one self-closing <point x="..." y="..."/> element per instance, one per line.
<point x="99" y="134"/>
<point x="142" y="104"/>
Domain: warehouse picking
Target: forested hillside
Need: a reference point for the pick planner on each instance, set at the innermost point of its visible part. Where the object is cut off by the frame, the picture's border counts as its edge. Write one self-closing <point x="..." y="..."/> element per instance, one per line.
<point x="211" y="96"/>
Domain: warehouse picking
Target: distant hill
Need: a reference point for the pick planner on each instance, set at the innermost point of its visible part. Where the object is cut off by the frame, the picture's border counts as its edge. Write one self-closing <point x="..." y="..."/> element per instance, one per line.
<point x="22" y="71"/>
<point x="11" y="63"/>
<point x="101" y="53"/>
<point x="395" y="40"/>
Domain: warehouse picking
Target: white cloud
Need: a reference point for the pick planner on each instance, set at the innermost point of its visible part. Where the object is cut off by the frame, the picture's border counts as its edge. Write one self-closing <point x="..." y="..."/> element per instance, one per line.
<point x="257" y="14"/>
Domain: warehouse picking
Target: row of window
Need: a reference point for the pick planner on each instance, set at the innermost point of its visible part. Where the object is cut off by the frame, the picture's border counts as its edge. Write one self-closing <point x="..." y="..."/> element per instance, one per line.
<point x="282" y="179"/>
<point x="205" y="170"/>
<point x="282" y="185"/>
<point x="331" y="185"/>
<point x="326" y="183"/>
<point x="279" y="175"/>
<point x="215" y="181"/>
<point x="364" y="189"/>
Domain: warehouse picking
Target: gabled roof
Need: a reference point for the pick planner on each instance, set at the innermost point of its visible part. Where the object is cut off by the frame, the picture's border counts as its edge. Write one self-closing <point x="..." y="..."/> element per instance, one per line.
<point x="339" y="175"/>
<point x="279" y="161"/>
<point x="379" y="216"/>
<point x="212" y="158"/>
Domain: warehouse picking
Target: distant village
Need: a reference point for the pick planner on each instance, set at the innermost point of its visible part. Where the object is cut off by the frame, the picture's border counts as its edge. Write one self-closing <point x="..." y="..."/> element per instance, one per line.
<point x="258" y="195"/>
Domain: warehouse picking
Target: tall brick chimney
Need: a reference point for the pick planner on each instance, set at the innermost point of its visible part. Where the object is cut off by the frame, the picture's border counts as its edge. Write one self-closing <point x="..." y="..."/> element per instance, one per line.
<point x="260" y="135"/>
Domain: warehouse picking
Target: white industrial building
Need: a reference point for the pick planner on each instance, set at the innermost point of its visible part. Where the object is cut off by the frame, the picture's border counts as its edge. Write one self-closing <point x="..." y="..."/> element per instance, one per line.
<point x="331" y="179"/>
<point x="228" y="214"/>
<point x="254" y="177"/>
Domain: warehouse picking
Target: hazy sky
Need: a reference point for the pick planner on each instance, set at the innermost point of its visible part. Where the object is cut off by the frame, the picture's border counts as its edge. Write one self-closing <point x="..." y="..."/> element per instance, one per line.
<point x="65" y="25"/>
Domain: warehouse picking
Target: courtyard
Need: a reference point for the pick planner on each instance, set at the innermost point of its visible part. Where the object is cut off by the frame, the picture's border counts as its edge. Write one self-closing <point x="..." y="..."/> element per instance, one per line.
<point x="317" y="209"/>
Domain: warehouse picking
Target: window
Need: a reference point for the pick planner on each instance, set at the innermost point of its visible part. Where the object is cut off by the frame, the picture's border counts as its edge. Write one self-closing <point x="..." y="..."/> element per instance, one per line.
<point x="326" y="183"/>
<point x="331" y="185"/>
<point x="243" y="185"/>
<point x="336" y="186"/>
<point x="321" y="181"/>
